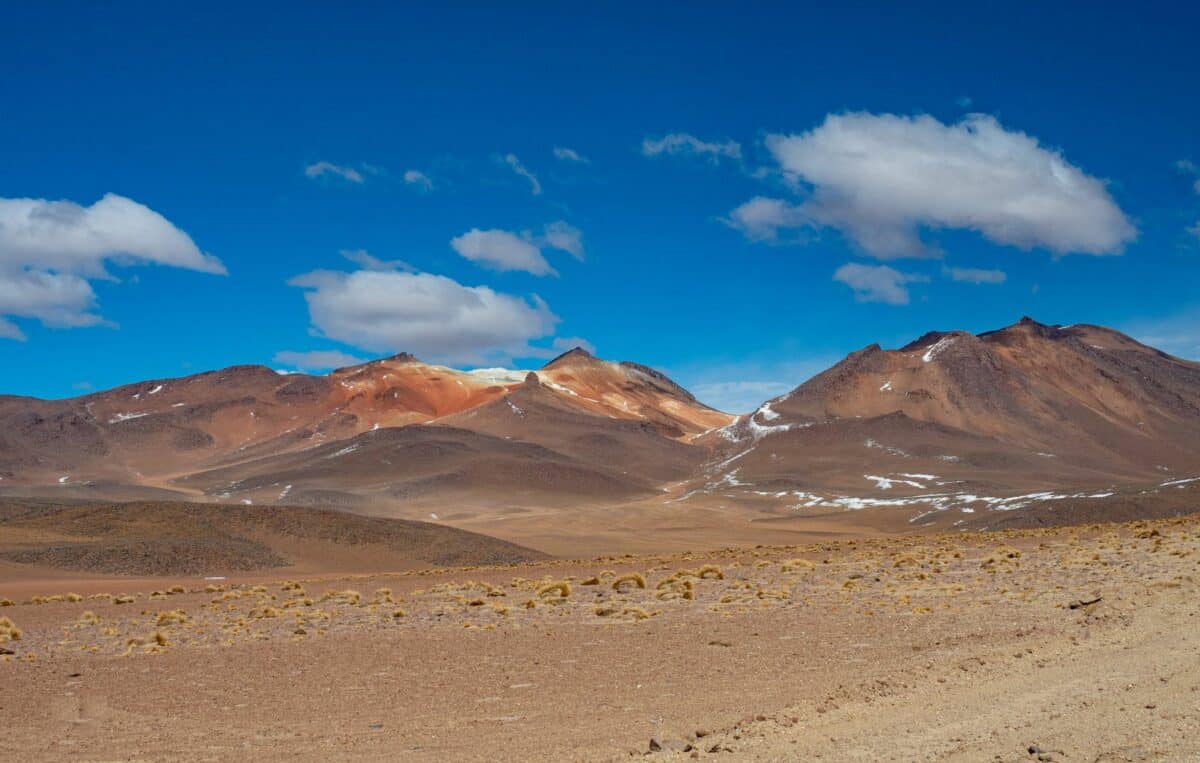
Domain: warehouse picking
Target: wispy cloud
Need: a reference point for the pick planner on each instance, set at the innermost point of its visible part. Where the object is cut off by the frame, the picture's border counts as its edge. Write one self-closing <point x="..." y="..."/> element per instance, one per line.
<point x="685" y="144"/>
<point x="570" y="155"/>
<point x="418" y="179"/>
<point x="321" y="169"/>
<point x="366" y="261"/>
<point x="975" y="275"/>
<point x="535" y="187"/>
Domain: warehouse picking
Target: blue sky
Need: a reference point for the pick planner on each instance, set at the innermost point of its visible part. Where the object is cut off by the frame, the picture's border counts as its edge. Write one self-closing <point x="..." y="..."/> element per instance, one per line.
<point x="739" y="196"/>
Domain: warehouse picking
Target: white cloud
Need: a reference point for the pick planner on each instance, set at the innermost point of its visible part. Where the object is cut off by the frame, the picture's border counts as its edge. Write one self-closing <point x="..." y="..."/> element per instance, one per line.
<point x="681" y="143"/>
<point x="564" y="343"/>
<point x="320" y="169"/>
<point x="880" y="179"/>
<point x="564" y="237"/>
<point x="762" y="218"/>
<point x="418" y="179"/>
<point x="50" y="249"/>
<point x="316" y="360"/>
<point x="975" y="275"/>
<point x="877" y="283"/>
<point x="1195" y="229"/>
<point x="434" y="317"/>
<point x="512" y="161"/>
<point x="504" y="250"/>
<point x="570" y="155"/>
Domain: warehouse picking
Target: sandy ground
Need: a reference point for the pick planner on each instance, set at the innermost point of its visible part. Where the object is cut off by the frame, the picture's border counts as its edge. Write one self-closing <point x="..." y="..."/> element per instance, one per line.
<point x="939" y="647"/>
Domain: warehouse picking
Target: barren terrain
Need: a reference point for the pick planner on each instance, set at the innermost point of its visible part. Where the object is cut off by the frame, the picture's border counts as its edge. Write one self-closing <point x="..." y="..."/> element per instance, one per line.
<point x="1077" y="643"/>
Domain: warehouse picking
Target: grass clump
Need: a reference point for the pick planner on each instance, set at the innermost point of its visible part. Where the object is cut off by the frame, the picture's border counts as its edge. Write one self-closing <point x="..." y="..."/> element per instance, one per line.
<point x="710" y="572"/>
<point x="561" y="588"/>
<point x="8" y="630"/>
<point x="636" y="578"/>
<point x="173" y="617"/>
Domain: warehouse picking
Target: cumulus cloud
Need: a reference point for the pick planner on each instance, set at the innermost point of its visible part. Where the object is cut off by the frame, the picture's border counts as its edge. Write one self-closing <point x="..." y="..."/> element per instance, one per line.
<point x="570" y="155"/>
<point x="682" y="143"/>
<point x="316" y="360"/>
<point x="50" y="250"/>
<point x="877" y="283"/>
<point x="418" y="179"/>
<point x="432" y="316"/>
<point x="881" y="179"/>
<point x="975" y="275"/>
<point x="504" y="250"/>
<point x="320" y="169"/>
<point x="514" y="163"/>
<point x="762" y="218"/>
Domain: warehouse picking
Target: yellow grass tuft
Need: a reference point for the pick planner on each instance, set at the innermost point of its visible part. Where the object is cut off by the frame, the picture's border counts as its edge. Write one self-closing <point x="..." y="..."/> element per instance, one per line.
<point x="176" y="589"/>
<point x="74" y="598"/>
<point x="7" y="603"/>
<point x="171" y="618"/>
<point x="797" y="565"/>
<point x="561" y="587"/>
<point x="637" y="613"/>
<point x="398" y="613"/>
<point x="629" y="577"/>
<point x="126" y="599"/>
<point x="9" y="631"/>
<point x="591" y="581"/>
<point x="711" y="571"/>
<point x="89" y="618"/>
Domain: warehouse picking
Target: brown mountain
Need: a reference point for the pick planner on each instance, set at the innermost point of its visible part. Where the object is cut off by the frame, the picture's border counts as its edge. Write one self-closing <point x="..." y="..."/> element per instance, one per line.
<point x="1025" y="409"/>
<point x="593" y="428"/>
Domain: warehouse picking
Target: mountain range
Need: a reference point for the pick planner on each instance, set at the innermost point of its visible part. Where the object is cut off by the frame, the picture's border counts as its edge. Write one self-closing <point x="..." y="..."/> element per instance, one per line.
<point x="948" y="426"/>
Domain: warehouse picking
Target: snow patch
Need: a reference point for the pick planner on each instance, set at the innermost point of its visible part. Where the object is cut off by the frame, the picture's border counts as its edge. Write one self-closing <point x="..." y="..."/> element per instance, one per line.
<point x="126" y="417"/>
<point x="156" y="390"/>
<point x="938" y="347"/>
<point x="498" y="375"/>
<point x="345" y="451"/>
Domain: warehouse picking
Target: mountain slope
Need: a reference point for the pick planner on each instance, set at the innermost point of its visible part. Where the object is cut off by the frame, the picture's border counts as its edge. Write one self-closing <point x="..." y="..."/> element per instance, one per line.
<point x="966" y="421"/>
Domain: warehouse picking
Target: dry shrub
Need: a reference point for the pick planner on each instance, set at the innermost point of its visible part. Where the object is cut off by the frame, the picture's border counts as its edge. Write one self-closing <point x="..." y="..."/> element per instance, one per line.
<point x="398" y="613"/>
<point x="176" y="589"/>
<point x="125" y="599"/>
<point x="797" y="565"/>
<point x="89" y="618"/>
<point x="591" y="581"/>
<point x="173" y="617"/>
<point x="8" y="630"/>
<point x="637" y="613"/>
<point x="604" y="611"/>
<point x="7" y="603"/>
<point x="711" y="571"/>
<point x="561" y="587"/>
<point x="629" y="577"/>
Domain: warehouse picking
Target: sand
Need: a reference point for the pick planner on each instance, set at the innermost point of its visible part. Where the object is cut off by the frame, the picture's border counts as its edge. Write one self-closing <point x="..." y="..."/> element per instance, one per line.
<point x="938" y="647"/>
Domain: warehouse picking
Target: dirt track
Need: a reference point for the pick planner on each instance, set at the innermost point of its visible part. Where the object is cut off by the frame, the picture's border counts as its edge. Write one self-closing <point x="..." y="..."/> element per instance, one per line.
<point x="882" y="649"/>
